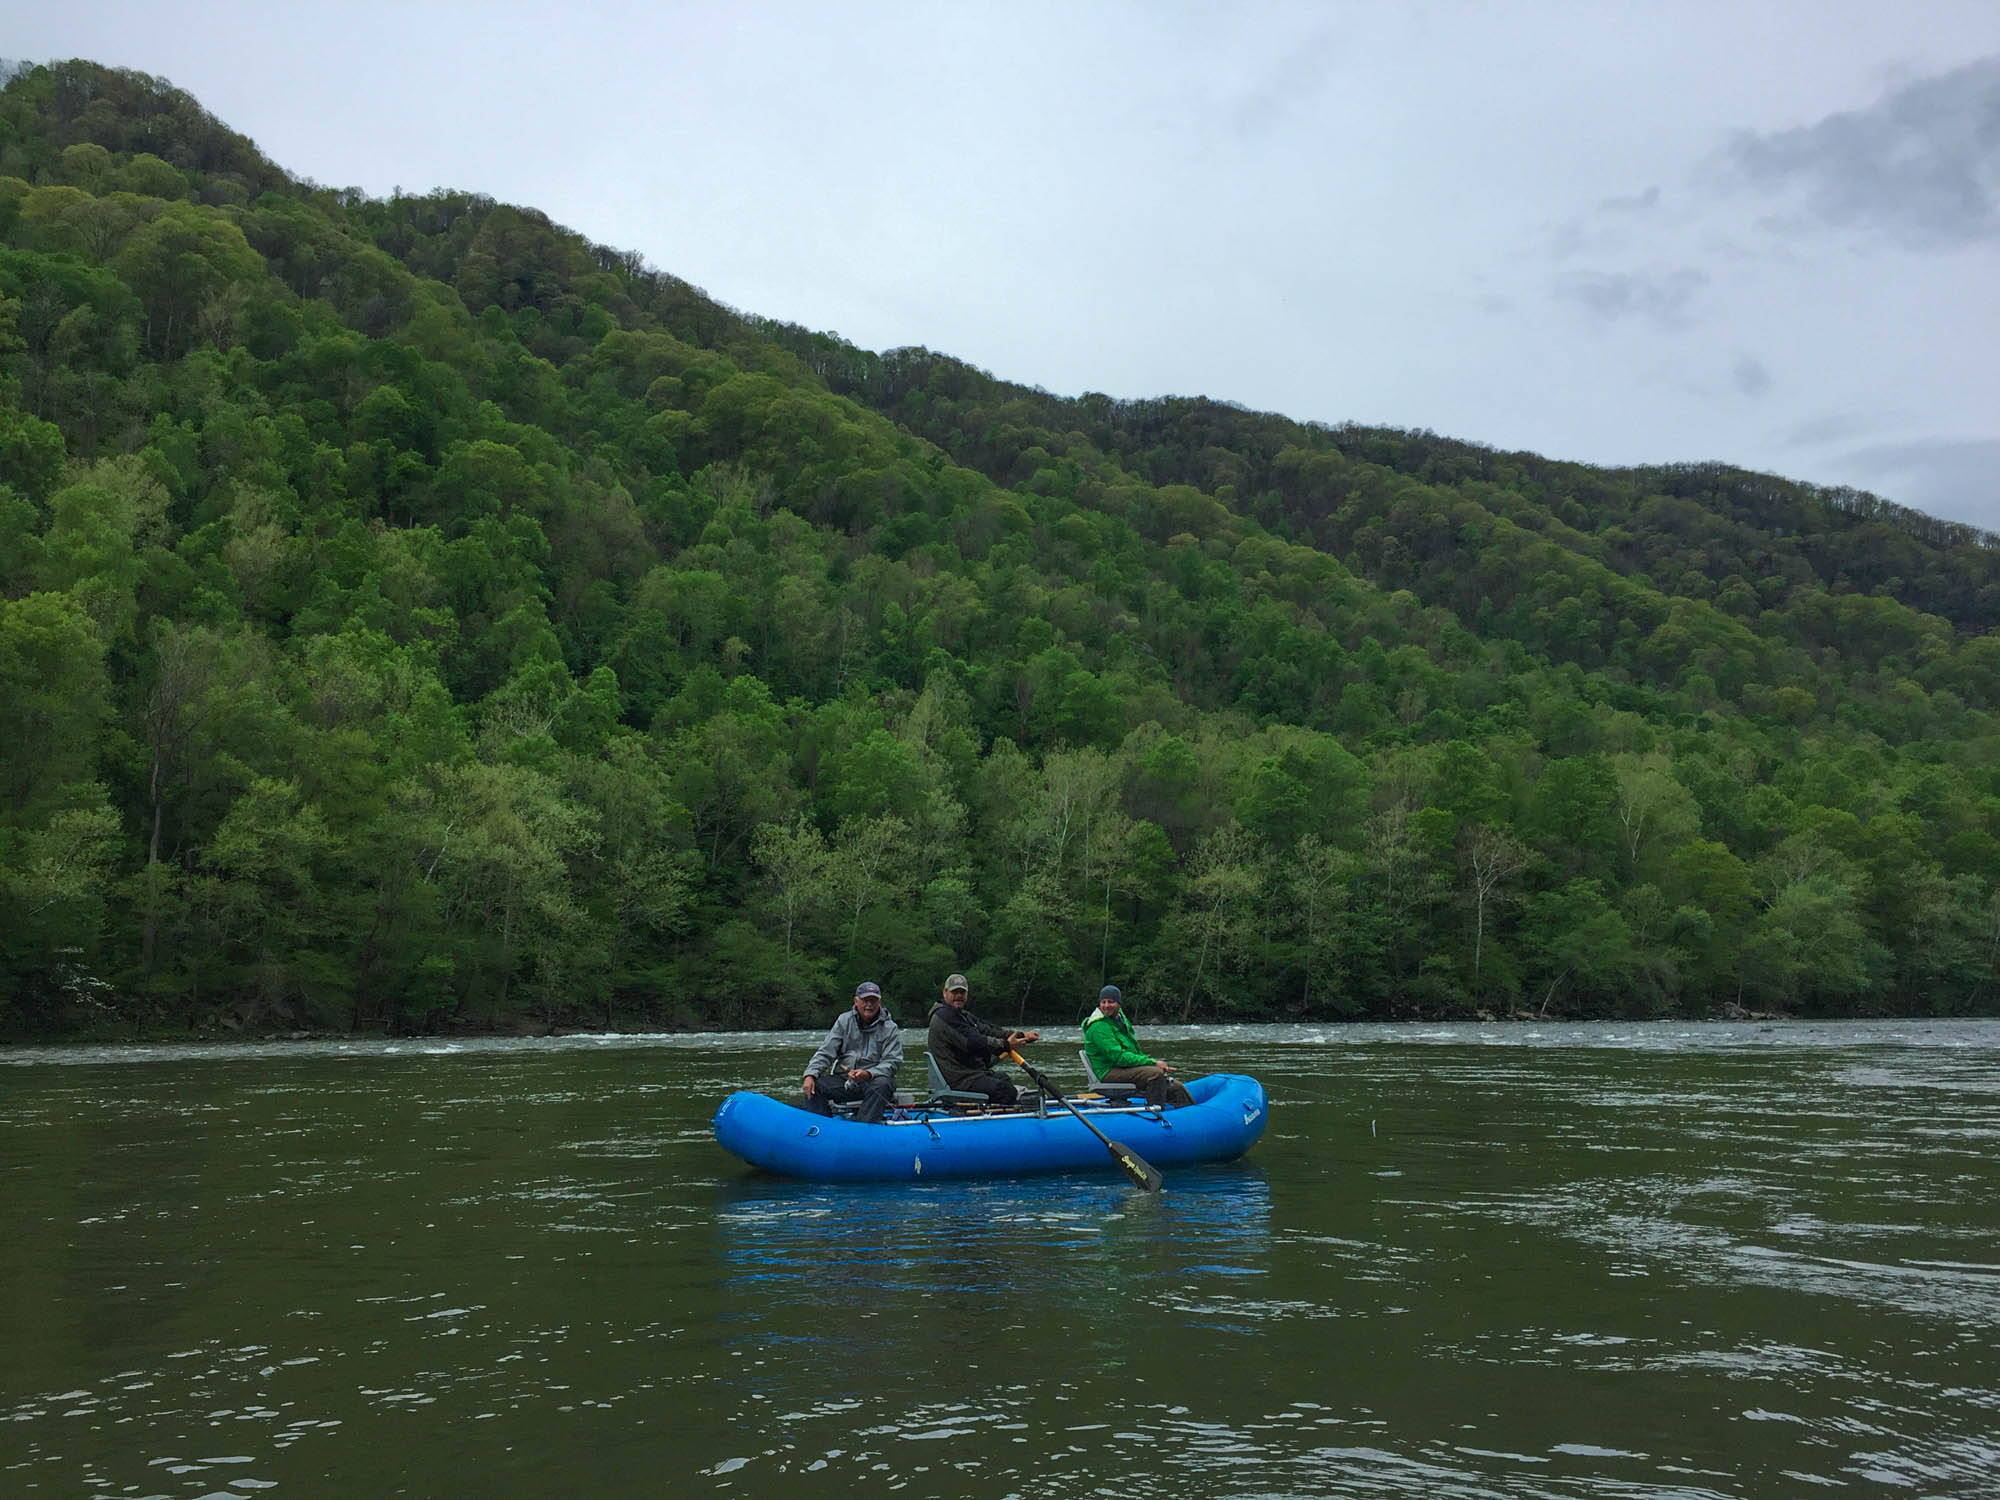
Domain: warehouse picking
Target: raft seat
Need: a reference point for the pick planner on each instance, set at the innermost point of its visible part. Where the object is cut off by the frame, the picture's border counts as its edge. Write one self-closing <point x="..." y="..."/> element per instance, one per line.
<point x="944" y="1093"/>
<point x="902" y="1099"/>
<point x="1108" y="1090"/>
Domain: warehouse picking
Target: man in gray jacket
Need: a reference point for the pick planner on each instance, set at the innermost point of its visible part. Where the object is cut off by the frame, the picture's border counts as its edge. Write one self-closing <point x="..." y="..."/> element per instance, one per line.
<point x="858" y="1059"/>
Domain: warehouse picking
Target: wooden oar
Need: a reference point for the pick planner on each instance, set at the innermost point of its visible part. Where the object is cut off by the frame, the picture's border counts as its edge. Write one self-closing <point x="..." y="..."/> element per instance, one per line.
<point x="1143" y="1173"/>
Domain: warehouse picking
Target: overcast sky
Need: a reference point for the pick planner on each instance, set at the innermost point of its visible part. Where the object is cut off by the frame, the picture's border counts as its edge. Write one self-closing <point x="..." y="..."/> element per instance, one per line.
<point x="1764" y="233"/>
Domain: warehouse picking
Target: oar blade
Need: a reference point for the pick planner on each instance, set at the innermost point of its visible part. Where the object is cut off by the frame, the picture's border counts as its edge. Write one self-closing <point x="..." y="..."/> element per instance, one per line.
<point x="1145" y="1176"/>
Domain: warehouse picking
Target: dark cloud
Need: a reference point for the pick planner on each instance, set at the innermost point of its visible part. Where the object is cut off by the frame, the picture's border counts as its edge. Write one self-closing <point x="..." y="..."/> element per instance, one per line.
<point x="1922" y="165"/>
<point x="1661" y="297"/>
<point x="1750" y="376"/>
<point x="1956" y="478"/>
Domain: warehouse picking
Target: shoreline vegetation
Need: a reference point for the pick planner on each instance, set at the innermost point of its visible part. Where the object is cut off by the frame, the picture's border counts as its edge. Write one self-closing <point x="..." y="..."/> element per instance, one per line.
<point x="122" y="1031"/>
<point x="417" y="618"/>
<point x="129" y="1025"/>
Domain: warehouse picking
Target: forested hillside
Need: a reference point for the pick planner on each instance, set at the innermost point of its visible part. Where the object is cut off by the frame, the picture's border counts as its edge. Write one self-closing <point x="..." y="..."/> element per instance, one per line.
<point x="415" y="616"/>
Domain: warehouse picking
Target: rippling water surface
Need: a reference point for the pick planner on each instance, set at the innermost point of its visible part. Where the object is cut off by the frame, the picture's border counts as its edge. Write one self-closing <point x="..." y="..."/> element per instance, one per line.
<point x="1504" y="1261"/>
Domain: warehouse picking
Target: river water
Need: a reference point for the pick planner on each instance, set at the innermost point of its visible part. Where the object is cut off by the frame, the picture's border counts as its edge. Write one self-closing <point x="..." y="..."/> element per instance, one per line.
<point x="1659" y="1261"/>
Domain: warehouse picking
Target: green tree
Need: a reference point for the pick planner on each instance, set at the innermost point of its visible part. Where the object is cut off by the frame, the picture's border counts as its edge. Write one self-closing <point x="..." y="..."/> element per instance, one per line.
<point x="31" y="451"/>
<point x="269" y="920"/>
<point x="56" y="886"/>
<point x="1579" y="940"/>
<point x="1320" y="878"/>
<point x="52" y="681"/>
<point x="1574" y="808"/>
<point x="637" y="880"/>
<point x="495" y="842"/>
<point x="1215" y="916"/>
<point x="871" y="868"/>
<point x="1808" y="943"/>
<point x="1492" y="859"/>
<point x="179" y="263"/>
<point x="796" y="860"/>
<point x="1652" y="809"/>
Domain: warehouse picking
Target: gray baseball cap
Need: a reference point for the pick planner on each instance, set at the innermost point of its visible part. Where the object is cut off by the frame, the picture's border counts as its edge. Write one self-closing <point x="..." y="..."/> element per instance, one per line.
<point x="956" y="982"/>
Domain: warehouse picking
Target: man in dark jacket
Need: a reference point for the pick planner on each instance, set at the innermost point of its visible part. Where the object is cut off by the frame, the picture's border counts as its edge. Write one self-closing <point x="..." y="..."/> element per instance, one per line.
<point x="1113" y="1049"/>
<point x="966" y="1047"/>
<point x="858" y="1060"/>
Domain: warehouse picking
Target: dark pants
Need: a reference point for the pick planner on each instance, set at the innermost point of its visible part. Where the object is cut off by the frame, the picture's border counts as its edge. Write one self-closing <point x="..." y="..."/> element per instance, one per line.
<point x="1159" y="1086"/>
<point x="874" y="1092"/>
<point x="997" y="1090"/>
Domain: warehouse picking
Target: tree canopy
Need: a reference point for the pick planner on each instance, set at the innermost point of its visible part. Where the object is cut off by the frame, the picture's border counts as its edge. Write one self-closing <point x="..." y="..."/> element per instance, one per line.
<point x="414" y="615"/>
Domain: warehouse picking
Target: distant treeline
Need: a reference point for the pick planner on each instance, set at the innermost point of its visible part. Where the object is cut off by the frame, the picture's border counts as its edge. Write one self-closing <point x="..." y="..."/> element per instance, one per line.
<point x="413" y="616"/>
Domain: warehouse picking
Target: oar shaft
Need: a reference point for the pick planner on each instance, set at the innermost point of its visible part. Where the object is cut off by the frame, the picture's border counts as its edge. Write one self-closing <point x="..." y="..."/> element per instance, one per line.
<point x="1143" y="1173"/>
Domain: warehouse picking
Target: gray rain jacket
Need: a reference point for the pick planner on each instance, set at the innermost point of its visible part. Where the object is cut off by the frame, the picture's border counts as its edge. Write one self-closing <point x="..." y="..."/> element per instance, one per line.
<point x="849" y="1044"/>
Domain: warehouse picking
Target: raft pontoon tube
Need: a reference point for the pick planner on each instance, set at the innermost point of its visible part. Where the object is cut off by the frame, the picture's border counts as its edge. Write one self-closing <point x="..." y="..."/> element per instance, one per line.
<point x="1224" y="1121"/>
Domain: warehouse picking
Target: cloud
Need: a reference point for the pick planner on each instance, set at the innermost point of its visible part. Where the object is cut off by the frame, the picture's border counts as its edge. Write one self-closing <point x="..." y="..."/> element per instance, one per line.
<point x="1832" y="428"/>
<point x="1750" y="376"/>
<point x="1637" y="203"/>
<point x="1276" y="98"/>
<point x="1607" y="227"/>
<point x="1921" y="165"/>
<point x="1659" y="297"/>
<point x="1957" y="478"/>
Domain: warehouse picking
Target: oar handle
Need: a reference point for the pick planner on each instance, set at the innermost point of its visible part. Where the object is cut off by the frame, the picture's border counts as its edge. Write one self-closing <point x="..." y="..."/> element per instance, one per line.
<point x="1014" y="1057"/>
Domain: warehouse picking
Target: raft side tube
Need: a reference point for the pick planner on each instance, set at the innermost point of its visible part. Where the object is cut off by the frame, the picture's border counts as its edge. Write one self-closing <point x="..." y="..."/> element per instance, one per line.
<point x="1227" y="1117"/>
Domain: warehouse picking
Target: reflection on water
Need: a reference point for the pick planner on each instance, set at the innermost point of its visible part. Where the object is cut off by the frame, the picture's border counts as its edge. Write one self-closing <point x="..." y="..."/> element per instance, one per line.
<point x="1464" y="1261"/>
<point x="922" y="1244"/>
<point x="986" y="1275"/>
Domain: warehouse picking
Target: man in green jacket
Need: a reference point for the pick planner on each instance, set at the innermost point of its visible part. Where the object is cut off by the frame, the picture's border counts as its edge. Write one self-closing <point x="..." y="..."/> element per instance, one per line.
<point x="1115" y="1056"/>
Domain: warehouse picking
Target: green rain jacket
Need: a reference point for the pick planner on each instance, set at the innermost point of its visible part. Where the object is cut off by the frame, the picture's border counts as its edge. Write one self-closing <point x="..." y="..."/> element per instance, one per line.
<point x="1111" y="1044"/>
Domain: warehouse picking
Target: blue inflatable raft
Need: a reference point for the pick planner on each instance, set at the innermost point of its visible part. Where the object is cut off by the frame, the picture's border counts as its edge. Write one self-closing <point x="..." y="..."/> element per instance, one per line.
<point x="1224" y="1121"/>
